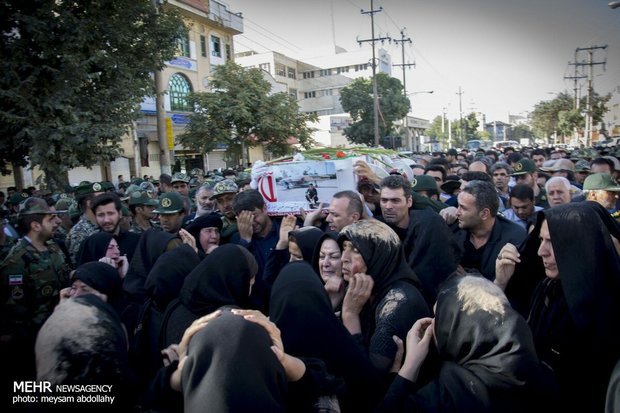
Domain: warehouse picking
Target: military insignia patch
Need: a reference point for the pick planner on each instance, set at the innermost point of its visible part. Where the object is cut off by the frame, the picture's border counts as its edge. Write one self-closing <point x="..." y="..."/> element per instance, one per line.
<point x="518" y="166"/>
<point x="166" y="202"/>
<point x="96" y="187"/>
<point x="16" y="279"/>
<point x="17" y="293"/>
<point x="47" y="291"/>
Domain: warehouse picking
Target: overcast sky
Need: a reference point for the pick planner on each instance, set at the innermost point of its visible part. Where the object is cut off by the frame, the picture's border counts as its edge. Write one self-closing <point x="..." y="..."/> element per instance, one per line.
<point x="507" y="55"/>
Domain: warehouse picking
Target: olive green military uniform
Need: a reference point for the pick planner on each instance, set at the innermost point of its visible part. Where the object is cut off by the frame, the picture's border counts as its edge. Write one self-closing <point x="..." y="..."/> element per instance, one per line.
<point x="31" y="281"/>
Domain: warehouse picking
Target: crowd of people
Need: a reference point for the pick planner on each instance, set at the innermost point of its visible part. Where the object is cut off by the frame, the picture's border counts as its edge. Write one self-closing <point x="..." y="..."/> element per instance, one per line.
<point x="471" y="282"/>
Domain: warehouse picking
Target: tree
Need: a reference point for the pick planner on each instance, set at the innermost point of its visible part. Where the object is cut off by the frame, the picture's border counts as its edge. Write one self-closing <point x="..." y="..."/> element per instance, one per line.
<point x="434" y="131"/>
<point x="357" y="99"/>
<point x="471" y="126"/>
<point x="72" y="75"/>
<point x="240" y="111"/>
<point x="559" y="115"/>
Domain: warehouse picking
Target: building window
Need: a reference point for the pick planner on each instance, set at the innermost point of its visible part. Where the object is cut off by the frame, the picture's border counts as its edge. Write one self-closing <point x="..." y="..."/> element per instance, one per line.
<point x="343" y="69"/>
<point x="293" y="93"/>
<point x="327" y="92"/>
<point x="325" y="72"/>
<point x="280" y="70"/>
<point x="308" y="95"/>
<point x="216" y="46"/>
<point x="361" y="67"/>
<point x="265" y="66"/>
<point x="308" y="75"/>
<point x="183" y="44"/>
<point x="228" y="52"/>
<point x="291" y="73"/>
<point x="203" y="46"/>
<point x="179" y="87"/>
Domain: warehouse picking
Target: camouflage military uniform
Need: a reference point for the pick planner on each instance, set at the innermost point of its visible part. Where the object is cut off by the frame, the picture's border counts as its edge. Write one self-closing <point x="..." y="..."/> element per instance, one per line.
<point x="80" y="231"/>
<point x="137" y="229"/>
<point x="30" y="282"/>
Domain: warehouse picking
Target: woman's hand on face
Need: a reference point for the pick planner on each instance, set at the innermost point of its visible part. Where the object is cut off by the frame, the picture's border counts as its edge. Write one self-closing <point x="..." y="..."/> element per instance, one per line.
<point x="188" y="239"/>
<point x="109" y="261"/>
<point x="358" y="293"/>
<point x="122" y="266"/>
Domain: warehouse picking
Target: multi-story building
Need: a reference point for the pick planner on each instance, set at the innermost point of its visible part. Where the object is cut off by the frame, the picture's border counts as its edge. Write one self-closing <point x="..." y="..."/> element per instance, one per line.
<point x="209" y="42"/>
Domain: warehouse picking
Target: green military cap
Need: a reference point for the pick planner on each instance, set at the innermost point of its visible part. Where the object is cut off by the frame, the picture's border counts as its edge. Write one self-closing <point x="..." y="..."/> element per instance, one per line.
<point x="86" y="188"/>
<point x="600" y="181"/>
<point x="179" y="177"/>
<point x="137" y="181"/>
<point x="225" y="186"/>
<point x="142" y="198"/>
<point x="524" y="166"/>
<point x="125" y="211"/>
<point x="169" y="203"/>
<point x="582" y="166"/>
<point x="35" y="205"/>
<point x="423" y="183"/>
<point x="107" y="185"/>
<point x="17" y="198"/>
<point x="63" y="204"/>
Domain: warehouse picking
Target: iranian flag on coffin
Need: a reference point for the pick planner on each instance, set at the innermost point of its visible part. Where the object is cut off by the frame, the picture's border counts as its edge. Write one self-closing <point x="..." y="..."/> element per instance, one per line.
<point x="284" y="183"/>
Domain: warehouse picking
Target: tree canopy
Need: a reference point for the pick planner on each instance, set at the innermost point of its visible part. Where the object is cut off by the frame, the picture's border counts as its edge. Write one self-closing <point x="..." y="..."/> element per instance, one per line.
<point x="240" y="111"/>
<point x="72" y="75"/>
<point x="357" y="99"/>
<point x="560" y="116"/>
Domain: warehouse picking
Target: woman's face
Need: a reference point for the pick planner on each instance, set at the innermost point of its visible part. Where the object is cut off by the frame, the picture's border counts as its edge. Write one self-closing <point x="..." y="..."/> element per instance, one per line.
<point x="294" y="251"/>
<point x="545" y="251"/>
<point x="80" y="288"/>
<point x="113" y="251"/>
<point x="330" y="260"/>
<point x="352" y="261"/>
<point x="208" y="237"/>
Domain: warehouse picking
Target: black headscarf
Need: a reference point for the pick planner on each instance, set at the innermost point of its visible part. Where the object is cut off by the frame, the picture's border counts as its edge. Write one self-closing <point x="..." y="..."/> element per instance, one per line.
<point x="83" y="342"/>
<point x="204" y="221"/>
<point x="572" y="316"/>
<point x="487" y="357"/>
<point x="381" y="249"/>
<point x="94" y="247"/>
<point x="221" y="279"/>
<point x="306" y="238"/>
<point x="317" y="249"/>
<point x="103" y="278"/>
<point x="230" y="367"/>
<point x="166" y="278"/>
<point x="302" y="311"/>
<point x="153" y="243"/>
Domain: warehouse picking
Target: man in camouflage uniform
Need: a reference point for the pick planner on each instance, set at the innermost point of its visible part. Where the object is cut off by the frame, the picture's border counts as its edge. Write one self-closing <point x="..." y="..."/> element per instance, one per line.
<point x="141" y="206"/>
<point x="31" y="277"/>
<point x="223" y="194"/>
<point x="87" y="225"/>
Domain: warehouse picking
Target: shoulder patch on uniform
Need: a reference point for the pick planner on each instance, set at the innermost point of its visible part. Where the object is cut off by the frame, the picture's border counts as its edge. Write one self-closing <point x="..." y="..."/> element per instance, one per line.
<point x="16" y="279"/>
<point x="17" y="293"/>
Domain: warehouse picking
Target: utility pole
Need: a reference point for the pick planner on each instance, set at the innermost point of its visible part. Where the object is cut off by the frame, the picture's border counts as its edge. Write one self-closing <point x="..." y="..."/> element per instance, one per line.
<point x="576" y="76"/>
<point x="162" y="137"/>
<point x="412" y="145"/>
<point x="589" y="98"/>
<point x="462" y="129"/>
<point x="373" y="40"/>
